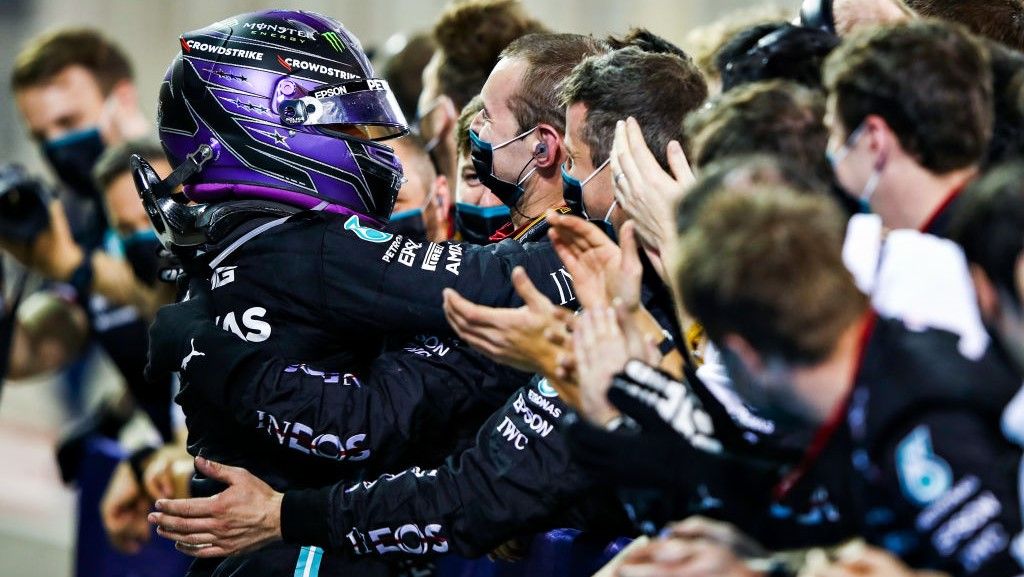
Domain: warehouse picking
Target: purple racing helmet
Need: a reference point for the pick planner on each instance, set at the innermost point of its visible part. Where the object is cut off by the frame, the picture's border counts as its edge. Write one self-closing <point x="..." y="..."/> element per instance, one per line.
<point x="282" y="105"/>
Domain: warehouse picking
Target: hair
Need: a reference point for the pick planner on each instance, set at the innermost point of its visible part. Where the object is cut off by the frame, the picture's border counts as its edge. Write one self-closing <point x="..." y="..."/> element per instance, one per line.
<point x="404" y="71"/>
<point x="116" y="160"/>
<point x="1000" y="20"/>
<point x="48" y="55"/>
<point x="470" y="36"/>
<point x="46" y="315"/>
<point x="466" y="117"/>
<point x="774" y="116"/>
<point x="1007" y="141"/>
<point x="989" y="221"/>
<point x="647" y="41"/>
<point x="658" y="89"/>
<point x="776" y="50"/>
<point x="549" y="58"/>
<point x="931" y="82"/>
<point x="767" y="265"/>
<point x="753" y="172"/>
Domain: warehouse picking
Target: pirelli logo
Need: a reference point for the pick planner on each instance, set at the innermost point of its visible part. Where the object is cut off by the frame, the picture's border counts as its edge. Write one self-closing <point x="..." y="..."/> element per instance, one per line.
<point x="432" y="257"/>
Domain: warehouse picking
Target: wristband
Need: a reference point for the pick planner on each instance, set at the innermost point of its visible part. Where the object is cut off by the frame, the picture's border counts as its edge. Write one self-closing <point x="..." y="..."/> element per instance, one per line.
<point x="81" y="278"/>
<point x="136" y="460"/>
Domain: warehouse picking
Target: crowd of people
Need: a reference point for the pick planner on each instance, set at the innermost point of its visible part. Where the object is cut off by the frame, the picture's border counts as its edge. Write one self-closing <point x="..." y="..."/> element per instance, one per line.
<point x="758" y="307"/>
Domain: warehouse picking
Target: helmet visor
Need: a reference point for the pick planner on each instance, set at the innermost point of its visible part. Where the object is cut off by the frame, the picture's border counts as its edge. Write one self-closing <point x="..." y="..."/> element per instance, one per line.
<point x="365" y="108"/>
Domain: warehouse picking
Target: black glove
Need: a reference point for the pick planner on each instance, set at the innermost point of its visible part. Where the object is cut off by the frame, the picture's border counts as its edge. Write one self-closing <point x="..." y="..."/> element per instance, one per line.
<point x="171" y="336"/>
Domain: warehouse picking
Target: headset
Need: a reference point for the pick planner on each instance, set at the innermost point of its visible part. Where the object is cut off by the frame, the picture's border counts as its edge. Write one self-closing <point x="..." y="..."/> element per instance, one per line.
<point x="818" y="14"/>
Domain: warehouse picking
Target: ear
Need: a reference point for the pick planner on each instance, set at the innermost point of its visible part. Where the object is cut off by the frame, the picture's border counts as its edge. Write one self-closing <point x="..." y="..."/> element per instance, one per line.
<point x="750" y="358"/>
<point x="988" y="296"/>
<point x="441" y="206"/>
<point x="546" y="146"/>
<point x="126" y="95"/>
<point x="880" y="137"/>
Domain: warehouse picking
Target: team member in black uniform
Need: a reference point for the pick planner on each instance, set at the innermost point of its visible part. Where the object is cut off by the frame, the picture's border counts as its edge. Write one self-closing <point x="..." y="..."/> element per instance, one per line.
<point x="913" y="424"/>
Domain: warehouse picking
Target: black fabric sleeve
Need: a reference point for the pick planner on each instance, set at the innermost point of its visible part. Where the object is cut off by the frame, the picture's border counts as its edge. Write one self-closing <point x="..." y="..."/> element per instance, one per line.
<point x="514" y="479"/>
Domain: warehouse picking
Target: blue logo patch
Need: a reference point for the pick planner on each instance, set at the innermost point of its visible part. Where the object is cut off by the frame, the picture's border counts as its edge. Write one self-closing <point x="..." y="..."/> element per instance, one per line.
<point x="545" y="388"/>
<point x="924" y="476"/>
<point x="366" y="233"/>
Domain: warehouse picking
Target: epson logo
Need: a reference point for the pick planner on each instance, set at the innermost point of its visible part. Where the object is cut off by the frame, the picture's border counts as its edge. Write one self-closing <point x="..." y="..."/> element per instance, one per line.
<point x="299" y="437"/>
<point x="430" y="261"/>
<point x="296" y="64"/>
<point x="329" y="92"/>
<point x="189" y="45"/>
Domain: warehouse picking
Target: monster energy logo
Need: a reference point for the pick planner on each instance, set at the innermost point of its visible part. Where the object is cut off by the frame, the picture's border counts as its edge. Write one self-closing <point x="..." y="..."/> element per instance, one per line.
<point x="333" y="40"/>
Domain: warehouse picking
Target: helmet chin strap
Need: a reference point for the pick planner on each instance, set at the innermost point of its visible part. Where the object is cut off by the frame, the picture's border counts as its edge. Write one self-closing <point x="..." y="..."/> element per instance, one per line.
<point x="176" y="223"/>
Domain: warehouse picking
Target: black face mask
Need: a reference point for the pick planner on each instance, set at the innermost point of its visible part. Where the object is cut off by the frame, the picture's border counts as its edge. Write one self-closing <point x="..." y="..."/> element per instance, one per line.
<point x="477" y="224"/>
<point x="482" y="155"/>
<point x="408" y="223"/>
<point x="142" y="251"/>
<point x="73" y="157"/>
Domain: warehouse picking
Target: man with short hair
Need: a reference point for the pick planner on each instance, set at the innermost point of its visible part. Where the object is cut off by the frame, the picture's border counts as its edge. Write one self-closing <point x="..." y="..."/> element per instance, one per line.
<point x="908" y="423"/>
<point x="905" y="151"/>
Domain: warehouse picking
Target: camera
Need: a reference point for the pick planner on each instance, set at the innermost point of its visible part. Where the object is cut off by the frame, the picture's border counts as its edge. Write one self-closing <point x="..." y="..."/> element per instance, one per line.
<point x="24" y="201"/>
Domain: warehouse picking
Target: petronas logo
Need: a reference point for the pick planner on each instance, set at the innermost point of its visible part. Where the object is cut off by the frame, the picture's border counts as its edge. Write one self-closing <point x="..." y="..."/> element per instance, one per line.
<point x="333" y="40"/>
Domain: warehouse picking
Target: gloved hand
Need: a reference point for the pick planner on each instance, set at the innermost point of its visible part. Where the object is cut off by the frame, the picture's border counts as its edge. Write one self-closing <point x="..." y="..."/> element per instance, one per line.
<point x="172" y="334"/>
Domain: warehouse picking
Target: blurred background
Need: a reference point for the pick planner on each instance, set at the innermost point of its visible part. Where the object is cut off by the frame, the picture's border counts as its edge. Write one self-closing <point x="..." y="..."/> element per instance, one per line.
<point x="37" y="512"/>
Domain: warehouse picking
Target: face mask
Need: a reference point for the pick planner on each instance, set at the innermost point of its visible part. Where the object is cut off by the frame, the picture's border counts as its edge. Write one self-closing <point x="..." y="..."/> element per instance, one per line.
<point x="142" y="251"/>
<point x="482" y="155"/>
<point x="408" y="223"/>
<point x="478" y="223"/>
<point x="770" y="394"/>
<point x="73" y="156"/>
<point x="431" y="144"/>
<point x="572" y="190"/>
<point x="864" y="198"/>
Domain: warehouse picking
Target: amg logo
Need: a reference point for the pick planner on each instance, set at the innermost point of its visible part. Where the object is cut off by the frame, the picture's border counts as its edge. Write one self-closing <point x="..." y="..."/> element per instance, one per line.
<point x="454" y="259"/>
<point x="299" y="437"/>
<point x="434" y="251"/>
<point x="222" y="276"/>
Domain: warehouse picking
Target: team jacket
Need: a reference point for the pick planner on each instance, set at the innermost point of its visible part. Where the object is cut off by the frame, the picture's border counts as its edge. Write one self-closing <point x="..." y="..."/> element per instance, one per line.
<point x="928" y="473"/>
<point x="518" y="478"/>
<point x="318" y="288"/>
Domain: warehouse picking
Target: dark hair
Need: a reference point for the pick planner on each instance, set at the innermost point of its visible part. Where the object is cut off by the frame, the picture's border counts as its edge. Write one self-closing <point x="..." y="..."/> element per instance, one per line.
<point x="930" y="81"/>
<point x="471" y="36"/>
<point x="1000" y="20"/>
<point x="549" y="57"/>
<point x="767" y="265"/>
<point x="404" y="72"/>
<point x="657" y="89"/>
<point x="751" y="171"/>
<point x="115" y="160"/>
<point x="764" y="117"/>
<point x="647" y="41"/>
<point x="48" y="55"/>
<point x="1007" y="141"/>
<point x="769" y="51"/>
<point x="989" y="223"/>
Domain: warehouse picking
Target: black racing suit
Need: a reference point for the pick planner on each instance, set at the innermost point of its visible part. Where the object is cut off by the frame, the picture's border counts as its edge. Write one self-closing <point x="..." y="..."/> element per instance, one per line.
<point x="317" y="288"/>
<point x="918" y="449"/>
